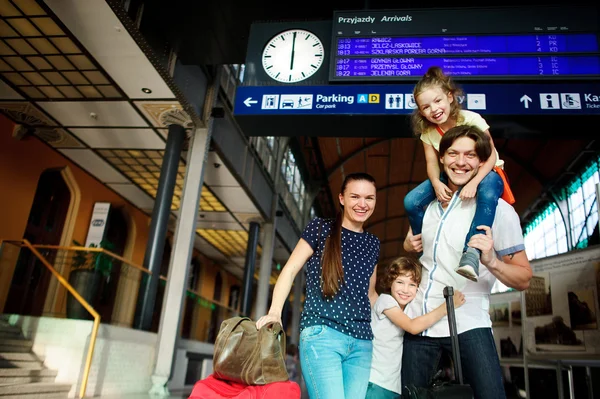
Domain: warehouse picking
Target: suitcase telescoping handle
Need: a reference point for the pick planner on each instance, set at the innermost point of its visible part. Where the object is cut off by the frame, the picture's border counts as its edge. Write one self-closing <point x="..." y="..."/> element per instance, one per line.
<point x="449" y="295"/>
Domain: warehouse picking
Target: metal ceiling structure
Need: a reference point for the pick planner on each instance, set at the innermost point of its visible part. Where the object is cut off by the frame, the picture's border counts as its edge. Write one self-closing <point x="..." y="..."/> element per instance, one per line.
<point x="93" y="87"/>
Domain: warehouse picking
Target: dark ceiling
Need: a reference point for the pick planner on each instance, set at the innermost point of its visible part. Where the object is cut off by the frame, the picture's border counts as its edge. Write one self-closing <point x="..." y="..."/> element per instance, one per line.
<point x="215" y="32"/>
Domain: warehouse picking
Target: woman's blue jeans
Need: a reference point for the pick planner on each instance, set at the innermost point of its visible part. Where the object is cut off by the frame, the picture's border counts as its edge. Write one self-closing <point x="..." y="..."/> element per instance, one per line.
<point x="489" y="190"/>
<point x="334" y="365"/>
<point x="479" y="358"/>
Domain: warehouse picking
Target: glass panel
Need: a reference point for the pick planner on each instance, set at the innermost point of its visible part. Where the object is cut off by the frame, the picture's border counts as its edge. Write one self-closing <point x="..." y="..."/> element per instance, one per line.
<point x="51" y="92"/>
<point x="109" y="91"/>
<point x="21" y="46"/>
<point x="60" y="63"/>
<point x="8" y="10"/>
<point x="96" y="77"/>
<point x="43" y="46"/>
<point x="40" y="63"/>
<point x="76" y="78"/>
<point x="16" y="79"/>
<point x="35" y="78"/>
<point x="19" y="63"/>
<point x="89" y="91"/>
<point x="6" y="30"/>
<point x="24" y="27"/>
<point x="66" y="45"/>
<point x="29" y="7"/>
<point x="5" y="50"/>
<point x="55" y="78"/>
<point x="32" y="92"/>
<point x="4" y="66"/>
<point x="48" y="27"/>
<point x="81" y="62"/>
<point x="70" y="92"/>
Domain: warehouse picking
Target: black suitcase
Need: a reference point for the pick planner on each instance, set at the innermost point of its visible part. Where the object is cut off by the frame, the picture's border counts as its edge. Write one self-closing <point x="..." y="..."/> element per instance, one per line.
<point x="443" y="390"/>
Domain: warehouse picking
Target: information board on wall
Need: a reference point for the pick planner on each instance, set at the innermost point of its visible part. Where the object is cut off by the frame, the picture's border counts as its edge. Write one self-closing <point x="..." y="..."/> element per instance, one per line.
<point x="397" y="99"/>
<point x="506" y="316"/>
<point x="542" y="42"/>
<point x="562" y="303"/>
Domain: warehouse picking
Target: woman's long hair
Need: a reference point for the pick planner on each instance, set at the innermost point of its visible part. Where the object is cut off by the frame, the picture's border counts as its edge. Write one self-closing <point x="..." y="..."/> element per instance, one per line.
<point x="434" y="77"/>
<point x="332" y="274"/>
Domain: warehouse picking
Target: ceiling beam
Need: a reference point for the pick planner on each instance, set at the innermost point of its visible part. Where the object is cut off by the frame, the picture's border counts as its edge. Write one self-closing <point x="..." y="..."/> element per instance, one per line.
<point x="350" y="156"/>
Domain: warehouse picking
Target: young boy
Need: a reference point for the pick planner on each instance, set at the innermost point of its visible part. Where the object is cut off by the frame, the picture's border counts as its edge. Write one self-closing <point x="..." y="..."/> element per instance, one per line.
<point x="399" y="282"/>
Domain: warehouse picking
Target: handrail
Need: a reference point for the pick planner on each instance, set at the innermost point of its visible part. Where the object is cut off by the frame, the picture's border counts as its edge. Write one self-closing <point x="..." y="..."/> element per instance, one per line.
<point x="83" y="302"/>
<point x="128" y="262"/>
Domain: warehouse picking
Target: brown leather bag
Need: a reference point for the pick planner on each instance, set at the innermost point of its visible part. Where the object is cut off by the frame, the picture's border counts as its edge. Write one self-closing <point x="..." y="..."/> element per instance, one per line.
<point x="249" y="356"/>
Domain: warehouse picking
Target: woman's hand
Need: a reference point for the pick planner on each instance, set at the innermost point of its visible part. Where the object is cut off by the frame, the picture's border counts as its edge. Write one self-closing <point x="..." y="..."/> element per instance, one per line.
<point x="459" y="299"/>
<point x="268" y="319"/>
<point x="442" y="192"/>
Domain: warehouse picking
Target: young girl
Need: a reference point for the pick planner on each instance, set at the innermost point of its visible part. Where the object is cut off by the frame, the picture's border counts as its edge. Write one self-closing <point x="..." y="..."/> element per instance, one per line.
<point x="389" y="322"/>
<point x="335" y="330"/>
<point x="437" y="111"/>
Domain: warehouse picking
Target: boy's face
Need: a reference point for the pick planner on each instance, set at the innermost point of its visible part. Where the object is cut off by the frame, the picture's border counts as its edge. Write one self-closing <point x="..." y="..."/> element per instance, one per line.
<point x="404" y="289"/>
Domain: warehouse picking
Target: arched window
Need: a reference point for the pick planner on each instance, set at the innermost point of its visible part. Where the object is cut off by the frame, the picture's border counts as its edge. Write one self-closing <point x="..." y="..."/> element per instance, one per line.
<point x="546" y="234"/>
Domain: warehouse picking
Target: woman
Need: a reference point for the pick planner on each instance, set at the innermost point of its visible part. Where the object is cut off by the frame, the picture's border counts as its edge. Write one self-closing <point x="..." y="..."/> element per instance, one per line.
<point x="335" y="329"/>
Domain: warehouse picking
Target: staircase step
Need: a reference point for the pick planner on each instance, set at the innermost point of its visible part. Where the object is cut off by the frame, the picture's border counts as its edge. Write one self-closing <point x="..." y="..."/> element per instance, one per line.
<point x="15" y="372"/>
<point x="8" y="364"/>
<point x="42" y="389"/>
<point x="17" y="341"/>
<point x="12" y="333"/>
<point x="20" y="356"/>
<point x="15" y="345"/>
<point x="26" y="380"/>
<point x="59" y="395"/>
<point x="14" y="348"/>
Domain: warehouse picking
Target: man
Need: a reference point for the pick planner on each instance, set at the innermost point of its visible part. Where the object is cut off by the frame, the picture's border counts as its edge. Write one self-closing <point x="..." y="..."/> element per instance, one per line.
<point x="462" y="150"/>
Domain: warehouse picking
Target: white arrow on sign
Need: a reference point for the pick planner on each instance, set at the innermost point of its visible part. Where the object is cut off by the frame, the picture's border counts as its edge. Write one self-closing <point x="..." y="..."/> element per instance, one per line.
<point x="249" y="101"/>
<point x="526" y="100"/>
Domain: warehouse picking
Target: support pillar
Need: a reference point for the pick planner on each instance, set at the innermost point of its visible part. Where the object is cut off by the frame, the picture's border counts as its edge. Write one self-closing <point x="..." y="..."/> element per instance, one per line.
<point x="249" y="268"/>
<point x="158" y="226"/>
<point x="181" y="256"/>
<point x="270" y="229"/>
<point x="264" y="274"/>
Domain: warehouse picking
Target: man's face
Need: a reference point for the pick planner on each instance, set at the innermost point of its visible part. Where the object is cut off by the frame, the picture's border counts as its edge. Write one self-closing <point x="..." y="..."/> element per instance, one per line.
<point x="460" y="162"/>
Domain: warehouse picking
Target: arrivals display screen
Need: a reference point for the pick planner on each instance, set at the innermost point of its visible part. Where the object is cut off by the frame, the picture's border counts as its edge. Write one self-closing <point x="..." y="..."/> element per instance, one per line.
<point x="551" y="43"/>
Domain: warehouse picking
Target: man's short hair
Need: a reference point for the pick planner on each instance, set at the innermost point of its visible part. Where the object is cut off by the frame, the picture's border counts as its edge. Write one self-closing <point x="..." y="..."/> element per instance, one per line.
<point x="483" y="141"/>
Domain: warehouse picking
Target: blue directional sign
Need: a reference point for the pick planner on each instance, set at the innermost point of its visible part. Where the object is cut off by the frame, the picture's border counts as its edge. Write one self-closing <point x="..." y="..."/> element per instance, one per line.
<point x="487" y="99"/>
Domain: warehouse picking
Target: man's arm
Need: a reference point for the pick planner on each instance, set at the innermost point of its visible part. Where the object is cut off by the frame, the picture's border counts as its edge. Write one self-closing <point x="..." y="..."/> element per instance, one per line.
<point x="513" y="270"/>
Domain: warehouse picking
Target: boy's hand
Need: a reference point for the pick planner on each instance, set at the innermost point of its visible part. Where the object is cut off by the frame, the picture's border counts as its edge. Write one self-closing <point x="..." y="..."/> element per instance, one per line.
<point x="442" y="192"/>
<point x="459" y="299"/>
<point x="468" y="191"/>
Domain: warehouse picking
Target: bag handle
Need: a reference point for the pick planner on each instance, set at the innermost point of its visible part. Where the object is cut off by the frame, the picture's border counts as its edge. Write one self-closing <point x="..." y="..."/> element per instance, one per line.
<point x="227" y="332"/>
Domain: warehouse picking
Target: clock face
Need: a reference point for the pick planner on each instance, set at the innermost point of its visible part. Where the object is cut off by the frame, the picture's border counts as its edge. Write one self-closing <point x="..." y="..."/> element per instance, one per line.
<point x="293" y="56"/>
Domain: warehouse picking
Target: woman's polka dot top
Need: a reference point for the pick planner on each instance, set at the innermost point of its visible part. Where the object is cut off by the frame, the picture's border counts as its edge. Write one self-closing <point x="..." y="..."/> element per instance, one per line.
<point x="349" y="311"/>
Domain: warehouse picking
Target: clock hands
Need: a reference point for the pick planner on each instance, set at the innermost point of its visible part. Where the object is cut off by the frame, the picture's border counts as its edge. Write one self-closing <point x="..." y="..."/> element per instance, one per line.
<point x="293" y="52"/>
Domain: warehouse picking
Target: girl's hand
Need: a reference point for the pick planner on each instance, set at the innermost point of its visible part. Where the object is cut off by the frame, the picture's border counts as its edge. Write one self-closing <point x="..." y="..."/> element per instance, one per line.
<point x="442" y="192"/>
<point x="468" y="191"/>
<point x="459" y="299"/>
<point x="268" y="319"/>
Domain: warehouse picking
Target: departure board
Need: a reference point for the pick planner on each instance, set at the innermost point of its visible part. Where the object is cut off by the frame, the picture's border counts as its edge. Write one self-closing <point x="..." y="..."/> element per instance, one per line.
<point x="471" y="43"/>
